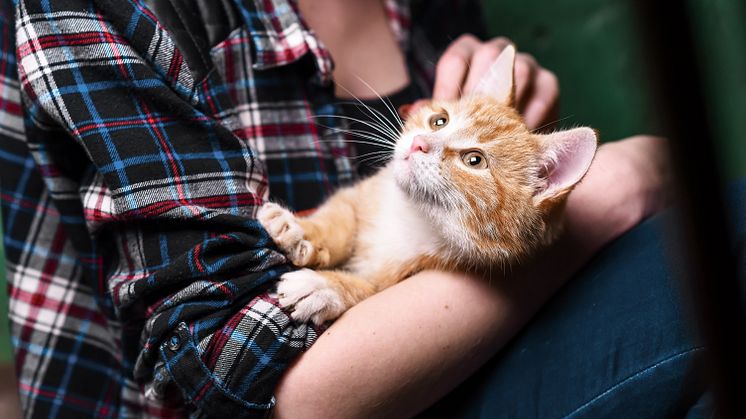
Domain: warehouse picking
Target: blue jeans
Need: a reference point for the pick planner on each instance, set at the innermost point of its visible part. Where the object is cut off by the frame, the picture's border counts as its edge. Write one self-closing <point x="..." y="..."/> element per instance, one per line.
<point x="616" y="342"/>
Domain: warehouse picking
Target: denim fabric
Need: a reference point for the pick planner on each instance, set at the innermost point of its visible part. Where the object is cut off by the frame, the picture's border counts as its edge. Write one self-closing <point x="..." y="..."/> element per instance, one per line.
<point x="616" y="342"/>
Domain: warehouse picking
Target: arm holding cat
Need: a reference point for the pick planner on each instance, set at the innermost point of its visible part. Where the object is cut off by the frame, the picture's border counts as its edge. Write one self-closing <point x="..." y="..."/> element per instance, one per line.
<point x="398" y="351"/>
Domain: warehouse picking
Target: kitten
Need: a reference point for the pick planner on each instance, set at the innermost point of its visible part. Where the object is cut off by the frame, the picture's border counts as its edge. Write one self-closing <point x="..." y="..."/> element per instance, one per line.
<point x="469" y="186"/>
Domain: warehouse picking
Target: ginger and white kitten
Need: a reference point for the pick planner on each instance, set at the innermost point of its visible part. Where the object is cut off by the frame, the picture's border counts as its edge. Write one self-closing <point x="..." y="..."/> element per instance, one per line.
<point x="469" y="186"/>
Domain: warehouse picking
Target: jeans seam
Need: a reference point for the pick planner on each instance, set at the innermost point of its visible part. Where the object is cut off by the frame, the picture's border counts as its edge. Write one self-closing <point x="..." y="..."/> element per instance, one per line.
<point x="633" y="377"/>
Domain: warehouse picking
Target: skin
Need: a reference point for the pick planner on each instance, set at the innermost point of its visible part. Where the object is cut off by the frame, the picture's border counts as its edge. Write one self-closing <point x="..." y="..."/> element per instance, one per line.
<point x="395" y="353"/>
<point x="362" y="45"/>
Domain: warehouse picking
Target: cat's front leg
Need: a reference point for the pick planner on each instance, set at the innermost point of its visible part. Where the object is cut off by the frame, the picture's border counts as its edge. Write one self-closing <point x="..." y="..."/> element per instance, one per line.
<point x="287" y="232"/>
<point x="321" y="296"/>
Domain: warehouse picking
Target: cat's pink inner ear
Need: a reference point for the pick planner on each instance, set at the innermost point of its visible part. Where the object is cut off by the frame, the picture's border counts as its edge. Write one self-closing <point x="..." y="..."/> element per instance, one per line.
<point x="498" y="80"/>
<point x="567" y="157"/>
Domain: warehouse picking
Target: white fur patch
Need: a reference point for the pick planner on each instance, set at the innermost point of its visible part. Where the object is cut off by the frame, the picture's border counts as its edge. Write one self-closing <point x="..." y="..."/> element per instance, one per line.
<point x="310" y="296"/>
<point x="398" y="232"/>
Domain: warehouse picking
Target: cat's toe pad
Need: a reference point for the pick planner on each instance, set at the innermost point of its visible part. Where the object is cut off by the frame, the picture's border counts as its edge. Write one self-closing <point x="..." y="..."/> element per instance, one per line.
<point x="310" y="296"/>
<point x="284" y="229"/>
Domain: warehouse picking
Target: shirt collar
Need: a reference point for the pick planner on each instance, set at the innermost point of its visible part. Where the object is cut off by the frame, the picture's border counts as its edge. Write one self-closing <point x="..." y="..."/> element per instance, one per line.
<point x="281" y="37"/>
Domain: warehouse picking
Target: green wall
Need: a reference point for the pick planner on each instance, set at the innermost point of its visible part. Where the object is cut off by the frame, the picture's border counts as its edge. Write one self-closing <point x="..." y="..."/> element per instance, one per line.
<point x="594" y="47"/>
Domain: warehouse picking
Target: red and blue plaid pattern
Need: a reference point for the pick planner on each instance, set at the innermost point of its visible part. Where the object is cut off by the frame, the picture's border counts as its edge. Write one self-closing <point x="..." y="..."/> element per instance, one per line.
<point x="137" y="274"/>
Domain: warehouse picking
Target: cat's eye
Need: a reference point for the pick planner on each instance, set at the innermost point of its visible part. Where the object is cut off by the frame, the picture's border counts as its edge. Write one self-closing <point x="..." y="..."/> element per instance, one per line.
<point x="474" y="160"/>
<point x="438" y="121"/>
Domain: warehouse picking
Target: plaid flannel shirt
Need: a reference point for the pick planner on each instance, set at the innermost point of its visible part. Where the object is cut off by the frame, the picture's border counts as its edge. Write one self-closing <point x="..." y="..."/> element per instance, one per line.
<point x="137" y="275"/>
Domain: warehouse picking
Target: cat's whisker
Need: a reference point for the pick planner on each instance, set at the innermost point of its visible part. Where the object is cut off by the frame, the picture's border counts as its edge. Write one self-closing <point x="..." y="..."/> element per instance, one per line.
<point x="388" y="122"/>
<point x="386" y="103"/>
<point x="384" y="123"/>
<point x="385" y="154"/>
<point x="363" y="135"/>
<point x="382" y="119"/>
<point x="388" y="149"/>
<point x="377" y="131"/>
<point x="378" y="128"/>
<point x="370" y="123"/>
<point x="376" y="161"/>
<point x="374" y="112"/>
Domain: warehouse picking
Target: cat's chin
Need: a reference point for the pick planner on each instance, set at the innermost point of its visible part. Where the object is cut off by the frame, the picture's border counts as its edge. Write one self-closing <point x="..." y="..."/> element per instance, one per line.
<point x="408" y="176"/>
<point x="401" y="172"/>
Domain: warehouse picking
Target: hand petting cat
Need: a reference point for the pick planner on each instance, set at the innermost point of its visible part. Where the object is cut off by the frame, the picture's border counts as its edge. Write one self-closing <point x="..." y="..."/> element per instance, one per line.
<point x="467" y="59"/>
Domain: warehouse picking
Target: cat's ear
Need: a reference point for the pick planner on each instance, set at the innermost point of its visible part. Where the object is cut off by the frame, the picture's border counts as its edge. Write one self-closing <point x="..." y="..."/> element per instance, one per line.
<point x="566" y="158"/>
<point x="498" y="80"/>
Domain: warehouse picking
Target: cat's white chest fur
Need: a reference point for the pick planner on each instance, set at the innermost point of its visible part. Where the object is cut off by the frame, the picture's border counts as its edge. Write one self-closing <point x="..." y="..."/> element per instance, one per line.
<point x="392" y="232"/>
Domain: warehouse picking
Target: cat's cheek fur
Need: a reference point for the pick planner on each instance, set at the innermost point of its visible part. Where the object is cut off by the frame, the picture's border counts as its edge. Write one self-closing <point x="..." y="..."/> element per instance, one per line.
<point x="461" y="246"/>
<point x="427" y="177"/>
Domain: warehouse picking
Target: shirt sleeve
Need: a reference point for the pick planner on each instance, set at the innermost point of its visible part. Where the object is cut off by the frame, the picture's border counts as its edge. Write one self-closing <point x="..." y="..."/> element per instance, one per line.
<point x="169" y="196"/>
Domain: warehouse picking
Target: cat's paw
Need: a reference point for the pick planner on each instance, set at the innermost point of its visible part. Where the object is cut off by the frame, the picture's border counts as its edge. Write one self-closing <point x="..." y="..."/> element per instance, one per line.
<point x="310" y="297"/>
<point x="284" y="229"/>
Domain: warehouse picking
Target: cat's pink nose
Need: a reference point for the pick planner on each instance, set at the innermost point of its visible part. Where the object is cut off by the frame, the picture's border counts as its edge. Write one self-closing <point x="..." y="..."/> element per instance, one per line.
<point x="419" y="143"/>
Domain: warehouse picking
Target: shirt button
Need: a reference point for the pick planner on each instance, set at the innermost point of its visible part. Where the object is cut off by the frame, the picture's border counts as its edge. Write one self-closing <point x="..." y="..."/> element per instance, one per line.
<point x="174" y="342"/>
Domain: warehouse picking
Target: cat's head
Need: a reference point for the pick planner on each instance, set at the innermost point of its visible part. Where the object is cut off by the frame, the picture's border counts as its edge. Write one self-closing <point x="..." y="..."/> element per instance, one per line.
<point x="495" y="189"/>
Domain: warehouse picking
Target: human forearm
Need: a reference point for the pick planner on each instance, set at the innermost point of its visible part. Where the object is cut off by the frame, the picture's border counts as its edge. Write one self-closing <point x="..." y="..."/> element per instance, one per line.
<point x="398" y="351"/>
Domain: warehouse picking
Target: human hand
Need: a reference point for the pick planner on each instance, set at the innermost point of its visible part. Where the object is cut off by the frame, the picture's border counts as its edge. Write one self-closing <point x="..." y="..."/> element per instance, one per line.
<point x="628" y="181"/>
<point x="467" y="59"/>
